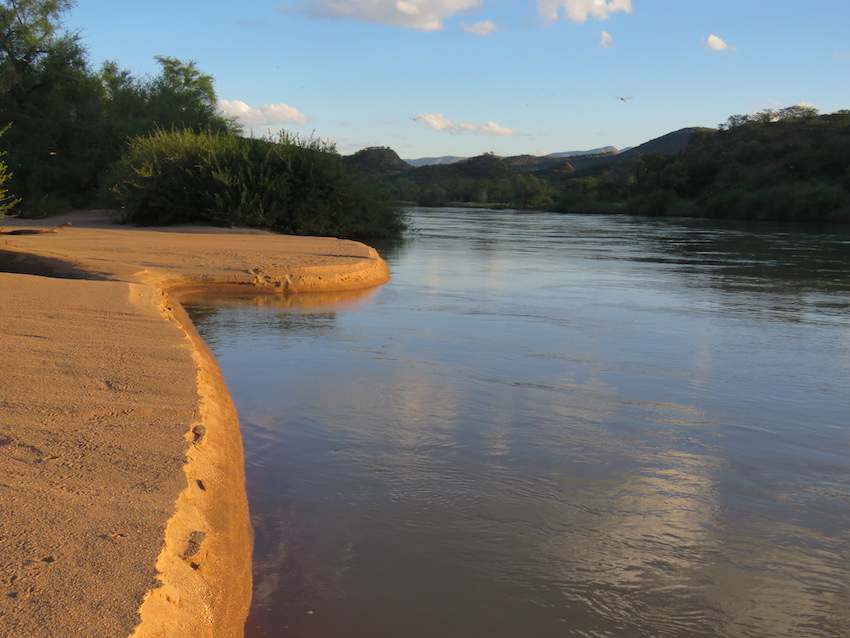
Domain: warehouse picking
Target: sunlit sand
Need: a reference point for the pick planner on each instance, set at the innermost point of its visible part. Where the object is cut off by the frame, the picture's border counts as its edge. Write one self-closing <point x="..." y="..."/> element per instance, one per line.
<point x="124" y="495"/>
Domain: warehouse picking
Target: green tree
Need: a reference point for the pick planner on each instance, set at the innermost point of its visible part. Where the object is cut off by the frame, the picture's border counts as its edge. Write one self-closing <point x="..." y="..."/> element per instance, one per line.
<point x="404" y="189"/>
<point x="7" y="201"/>
<point x="181" y="96"/>
<point x="433" y="195"/>
<point x="734" y="121"/>
<point x="29" y="29"/>
<point x="178" y="97"/>
<point x="50" y="97"/>
<point x="798" y="112"/>
<point x="531" y="192"/>
<point x="126" y="100"/>
<point x="69" y="123"/>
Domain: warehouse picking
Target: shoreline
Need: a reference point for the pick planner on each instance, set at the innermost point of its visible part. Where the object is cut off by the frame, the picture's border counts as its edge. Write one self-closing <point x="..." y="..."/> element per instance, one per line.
<point x="142" y="370"/>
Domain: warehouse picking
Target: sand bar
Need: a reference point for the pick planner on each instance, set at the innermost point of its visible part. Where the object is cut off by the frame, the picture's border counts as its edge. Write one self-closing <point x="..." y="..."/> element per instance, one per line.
<point x="121" y="472"/>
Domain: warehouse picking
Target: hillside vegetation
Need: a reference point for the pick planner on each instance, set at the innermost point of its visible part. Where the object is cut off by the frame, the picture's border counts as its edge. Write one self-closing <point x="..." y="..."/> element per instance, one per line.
<point x="786" y="165"/>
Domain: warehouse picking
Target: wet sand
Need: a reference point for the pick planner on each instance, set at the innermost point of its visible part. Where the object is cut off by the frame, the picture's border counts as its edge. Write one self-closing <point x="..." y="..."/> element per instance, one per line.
<point x="124" y="507"/>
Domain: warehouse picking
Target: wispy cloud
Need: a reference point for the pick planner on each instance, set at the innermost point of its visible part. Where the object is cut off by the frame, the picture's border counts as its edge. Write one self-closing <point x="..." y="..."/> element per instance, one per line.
<point x="768" y="104"/>
<point x="484" y="27"/>
<point x="266" y="116"/>
<point x="581" y="10"/>
<point x="715" y="43"/>
<point x="424" y="15"/>
<point x="437" y="122"/>
<point x="428" y="15"/>
<point x="773" y="105"/>
<point x="808" y="105"/>
<point x="606" y="41"/>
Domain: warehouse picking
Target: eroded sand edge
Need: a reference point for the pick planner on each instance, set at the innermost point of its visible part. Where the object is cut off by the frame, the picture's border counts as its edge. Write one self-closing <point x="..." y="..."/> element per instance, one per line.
<point x="119" y="431"/>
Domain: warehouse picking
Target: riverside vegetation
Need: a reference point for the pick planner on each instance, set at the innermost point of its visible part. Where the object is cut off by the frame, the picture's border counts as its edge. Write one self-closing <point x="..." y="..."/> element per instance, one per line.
<point x="156" y="148"/>
<point x="158" y="151"/>
<point x="787" y="165"/>
<point x="7" y="201"/>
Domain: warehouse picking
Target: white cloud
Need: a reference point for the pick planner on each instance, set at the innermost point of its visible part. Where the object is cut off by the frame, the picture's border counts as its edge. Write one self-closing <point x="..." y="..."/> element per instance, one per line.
<point x="265" y="116"/>
<point x="768" y="104"/>
<point x="428" y="15"/>
<point x="485" y="27"/>
<point x="606" y="41"/>
<point x="772" y="105"/>
<point x="490" y="128"/>
<point x="437" y="122"/>
<point x="424" y="15"/>
<point x="580" y="10"/>
<point x="715" y="43"/>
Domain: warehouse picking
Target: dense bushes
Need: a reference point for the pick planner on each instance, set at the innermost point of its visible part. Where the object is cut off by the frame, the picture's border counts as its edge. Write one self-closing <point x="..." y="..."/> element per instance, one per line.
<point x="290" y="184"/>
<point x="7" y="201"/>
<point x="805" y="201"/>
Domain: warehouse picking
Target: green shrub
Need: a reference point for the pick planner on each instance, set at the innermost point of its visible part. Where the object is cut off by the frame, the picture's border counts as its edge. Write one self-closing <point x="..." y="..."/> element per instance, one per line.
<point x="654" y="204"/>
<point x="434" y="195"/>
<point x="289" y="184"/>
<point x="802" y="201"/>
<point x="7" y="201"/>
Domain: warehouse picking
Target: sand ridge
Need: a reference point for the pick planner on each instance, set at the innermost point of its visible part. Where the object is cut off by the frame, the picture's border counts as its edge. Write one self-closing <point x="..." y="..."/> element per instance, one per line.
<point x="123" y="479"/>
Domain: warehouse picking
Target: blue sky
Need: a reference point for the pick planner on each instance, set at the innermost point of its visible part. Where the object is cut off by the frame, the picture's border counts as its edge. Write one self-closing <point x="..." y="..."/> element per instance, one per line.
<point x="465" y="77"/>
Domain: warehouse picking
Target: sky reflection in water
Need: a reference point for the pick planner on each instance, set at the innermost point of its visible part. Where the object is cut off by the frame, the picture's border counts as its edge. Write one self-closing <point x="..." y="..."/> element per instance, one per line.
<point x="550" y="425"/>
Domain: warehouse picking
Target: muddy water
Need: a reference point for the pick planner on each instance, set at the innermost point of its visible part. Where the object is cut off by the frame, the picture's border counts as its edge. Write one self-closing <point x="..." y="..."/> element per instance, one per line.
<point x="553" y="426"/>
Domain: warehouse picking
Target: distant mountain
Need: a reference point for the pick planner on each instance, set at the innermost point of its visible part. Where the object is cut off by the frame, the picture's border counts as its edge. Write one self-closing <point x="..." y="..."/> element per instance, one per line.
<point x="669" y="143"/>
<point x="384" y="163"/>
<point x="605" y="150"/>
<point x="431" y="161"/>
<point x="451" y="159"/>
<point x="789" y="168"/>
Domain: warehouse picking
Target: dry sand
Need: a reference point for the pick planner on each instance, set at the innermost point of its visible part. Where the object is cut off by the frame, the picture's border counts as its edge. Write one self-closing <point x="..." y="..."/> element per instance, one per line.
<point x="121" y="470"/>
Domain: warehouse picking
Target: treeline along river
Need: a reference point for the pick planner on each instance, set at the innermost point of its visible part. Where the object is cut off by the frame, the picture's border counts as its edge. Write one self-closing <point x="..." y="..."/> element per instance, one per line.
<point x="549" y="426"/>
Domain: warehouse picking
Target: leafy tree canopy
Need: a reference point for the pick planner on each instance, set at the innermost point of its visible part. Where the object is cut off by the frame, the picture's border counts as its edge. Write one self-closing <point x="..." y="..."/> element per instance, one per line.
<point x="71" y="124"/>
<point x="7" y="201"/>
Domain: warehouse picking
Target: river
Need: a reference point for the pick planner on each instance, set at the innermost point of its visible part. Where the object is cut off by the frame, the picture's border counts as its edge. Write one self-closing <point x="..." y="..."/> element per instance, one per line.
<point x="551" y="425"/>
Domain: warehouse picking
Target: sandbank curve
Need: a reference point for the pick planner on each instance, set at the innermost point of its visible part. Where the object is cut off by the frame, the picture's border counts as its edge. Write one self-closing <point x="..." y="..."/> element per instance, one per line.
<point x="126" y="491"/>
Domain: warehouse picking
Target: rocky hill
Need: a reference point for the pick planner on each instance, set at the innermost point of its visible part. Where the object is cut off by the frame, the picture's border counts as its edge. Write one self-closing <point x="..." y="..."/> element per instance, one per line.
<point x="382" y="163"/>
<point x="376" y="163"/>
<point x="669" y="143"/>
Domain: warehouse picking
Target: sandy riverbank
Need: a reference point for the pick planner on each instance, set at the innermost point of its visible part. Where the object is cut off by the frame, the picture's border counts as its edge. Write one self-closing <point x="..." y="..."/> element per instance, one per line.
<point x="123" y="487"/>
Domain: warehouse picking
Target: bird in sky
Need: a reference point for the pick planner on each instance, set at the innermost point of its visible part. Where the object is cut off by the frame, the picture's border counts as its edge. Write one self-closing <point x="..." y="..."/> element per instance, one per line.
<point x="623" y="99"/>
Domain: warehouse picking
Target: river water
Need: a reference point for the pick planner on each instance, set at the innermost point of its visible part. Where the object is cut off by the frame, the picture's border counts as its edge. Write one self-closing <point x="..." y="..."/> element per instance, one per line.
<point x="551" y="425"/>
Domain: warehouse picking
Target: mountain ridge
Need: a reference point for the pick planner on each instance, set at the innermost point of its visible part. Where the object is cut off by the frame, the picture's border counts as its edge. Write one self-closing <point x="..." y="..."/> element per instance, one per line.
<point x="788" y="165"/>
<point x="454" y="159"/>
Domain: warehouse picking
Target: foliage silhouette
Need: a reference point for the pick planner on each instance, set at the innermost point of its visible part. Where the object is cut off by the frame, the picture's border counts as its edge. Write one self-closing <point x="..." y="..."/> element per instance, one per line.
<point x="289" y="184"/>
